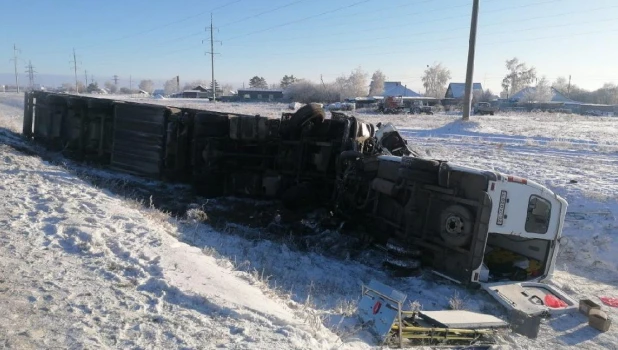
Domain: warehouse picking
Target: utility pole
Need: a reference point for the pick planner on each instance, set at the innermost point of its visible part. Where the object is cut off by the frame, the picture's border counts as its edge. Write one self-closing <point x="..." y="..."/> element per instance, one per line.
<point x="569" y="87"/>
<point x="91" y="78"/>
<point x="115" y="80"/>
<point x="30" y="72"/>
<point x="130" y="83"/>
<point x="14" y="59"/>
<point x="86" y="76"/>
<point x="470" y="69"/>
<point x="75" y="70"/>
<point x="212" y="60"/>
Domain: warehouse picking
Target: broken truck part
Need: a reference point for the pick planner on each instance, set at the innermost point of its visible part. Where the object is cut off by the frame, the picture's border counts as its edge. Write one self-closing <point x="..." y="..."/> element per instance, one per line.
<point x="380" y="309"/>
<point x="469" y="225"/>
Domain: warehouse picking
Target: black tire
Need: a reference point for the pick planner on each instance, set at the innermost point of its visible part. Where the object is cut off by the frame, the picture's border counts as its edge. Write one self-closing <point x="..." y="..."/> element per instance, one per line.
<point x="416" y="110"/>
<point x="492" y="113"/>
<point x="415" y="163"/>
<point x="456" y="225"/>
<point x="425" y="177"/>
<point x="309" y="112"/>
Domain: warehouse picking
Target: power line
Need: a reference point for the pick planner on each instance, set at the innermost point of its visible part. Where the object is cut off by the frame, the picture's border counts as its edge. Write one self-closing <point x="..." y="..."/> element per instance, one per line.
<point x="302" y="19"/>
<point x="263" y="13"/>
<point x="30" y="70"/>
<point x="165" y="25"/>
<point x="212" y="60"/>
<point x="14" y="59"/>
<point x="75" y="70"/>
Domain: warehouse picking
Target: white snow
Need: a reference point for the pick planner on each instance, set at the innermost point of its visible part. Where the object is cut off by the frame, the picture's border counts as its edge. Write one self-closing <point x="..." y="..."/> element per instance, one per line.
<point x="80" y="267"/>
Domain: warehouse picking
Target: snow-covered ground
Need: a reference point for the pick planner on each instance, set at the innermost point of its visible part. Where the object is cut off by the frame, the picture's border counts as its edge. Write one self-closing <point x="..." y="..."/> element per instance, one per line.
<point x="81" y="267"/>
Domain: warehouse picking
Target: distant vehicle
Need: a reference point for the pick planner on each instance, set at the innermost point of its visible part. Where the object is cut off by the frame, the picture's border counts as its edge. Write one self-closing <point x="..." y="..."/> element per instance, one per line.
<point x="397" y="105"/>
<point x="484" y="108"/>
<point x="419" y="107"/>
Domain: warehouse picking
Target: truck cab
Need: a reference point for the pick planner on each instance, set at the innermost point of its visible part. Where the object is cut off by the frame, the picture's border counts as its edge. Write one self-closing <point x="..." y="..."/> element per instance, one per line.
<point x="473" y="227"/>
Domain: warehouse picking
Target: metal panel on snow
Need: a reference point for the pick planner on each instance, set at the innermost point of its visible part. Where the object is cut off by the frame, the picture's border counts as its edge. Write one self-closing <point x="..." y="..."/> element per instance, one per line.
<point x="139" y="138"/>
<point x="462" y="319"/>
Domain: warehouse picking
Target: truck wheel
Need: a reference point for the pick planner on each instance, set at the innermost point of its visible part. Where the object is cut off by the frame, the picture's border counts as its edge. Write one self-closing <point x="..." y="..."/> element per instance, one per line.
<point x="419" y="163"/>
<point x="416" y="111"/>
<point x="456" y="226"/>
<point x="491" y="113"/>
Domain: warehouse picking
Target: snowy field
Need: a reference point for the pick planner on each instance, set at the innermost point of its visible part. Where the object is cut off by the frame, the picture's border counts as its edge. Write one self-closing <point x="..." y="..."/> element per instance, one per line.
<point x="81" y="267"/>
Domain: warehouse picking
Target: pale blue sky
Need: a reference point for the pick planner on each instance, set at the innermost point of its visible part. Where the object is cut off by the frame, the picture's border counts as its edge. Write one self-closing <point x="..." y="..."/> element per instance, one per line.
<point x="308" y="38"/>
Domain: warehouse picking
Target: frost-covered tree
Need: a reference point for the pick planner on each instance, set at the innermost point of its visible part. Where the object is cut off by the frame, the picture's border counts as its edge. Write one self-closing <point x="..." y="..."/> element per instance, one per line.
<point x="170" y="86"/>
<point x="561" y="84"/>
<point x="518" y="77"/>
<point x="435" y="79"/>
<point x="258" y="83"/>
<point x="146" y="85"/>
<point x="354" y="85"/>
<point x="287" y="80"/>
<point x="68" y="87"/>
<point x="226" y="89"/>
<point x="376" y="87"/>
<point x="111" y="87"/>
<point x="540" y="93"/>
<point x="304" y="91"/>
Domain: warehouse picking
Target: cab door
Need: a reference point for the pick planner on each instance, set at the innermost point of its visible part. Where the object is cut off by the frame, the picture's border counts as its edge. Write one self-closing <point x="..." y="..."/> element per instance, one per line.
<point x="525" y="209"/>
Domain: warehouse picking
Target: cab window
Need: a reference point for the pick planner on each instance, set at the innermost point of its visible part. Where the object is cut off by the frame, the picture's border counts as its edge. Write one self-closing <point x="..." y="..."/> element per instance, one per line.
<point x="539" y="212"/>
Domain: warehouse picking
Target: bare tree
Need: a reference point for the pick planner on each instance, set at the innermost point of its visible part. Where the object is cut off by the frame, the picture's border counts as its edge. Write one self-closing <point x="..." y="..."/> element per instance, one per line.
<point x="435" y="79"/>
<point x="376" y="87"/>
<point x="146" y="85"/>
<point x="519" y="76"/>
<point x="561" y="84"/>
<point x="608" y="94"/>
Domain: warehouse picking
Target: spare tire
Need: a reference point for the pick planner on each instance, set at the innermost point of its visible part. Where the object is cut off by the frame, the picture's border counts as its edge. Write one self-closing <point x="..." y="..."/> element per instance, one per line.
<point x="456" y="224"/>
<point x="311" y="112"/>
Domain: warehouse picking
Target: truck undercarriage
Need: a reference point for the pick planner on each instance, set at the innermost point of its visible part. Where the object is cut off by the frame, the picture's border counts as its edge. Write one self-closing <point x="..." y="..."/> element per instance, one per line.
<point x="447" y="217"/>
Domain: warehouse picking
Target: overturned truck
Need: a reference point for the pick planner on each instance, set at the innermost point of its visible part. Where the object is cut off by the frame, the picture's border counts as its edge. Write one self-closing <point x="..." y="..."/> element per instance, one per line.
<point x="471" y="226"/>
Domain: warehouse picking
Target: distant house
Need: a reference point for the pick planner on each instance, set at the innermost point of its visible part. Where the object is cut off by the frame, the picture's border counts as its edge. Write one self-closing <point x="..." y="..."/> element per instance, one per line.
<point x="458" y="90"/>
<point x="556" y="95"/>
<point x="259" y="95"/>
<point x="394" y="88"/>
<point x="192" y="94"/>
<point x="158" y="92"/>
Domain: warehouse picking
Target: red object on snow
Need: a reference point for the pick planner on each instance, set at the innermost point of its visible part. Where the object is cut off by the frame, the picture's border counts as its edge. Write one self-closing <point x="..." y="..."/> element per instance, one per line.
<point x="553" y="302"/>
<point x="609" y="301"/>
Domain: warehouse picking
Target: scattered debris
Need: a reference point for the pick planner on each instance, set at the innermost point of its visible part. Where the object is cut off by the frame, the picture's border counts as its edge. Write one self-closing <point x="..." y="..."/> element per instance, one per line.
<point x="599" y="320"/>
<point x="609" y="301"/>
<point x="381" y="308"/>
<point x="587" y="305"/>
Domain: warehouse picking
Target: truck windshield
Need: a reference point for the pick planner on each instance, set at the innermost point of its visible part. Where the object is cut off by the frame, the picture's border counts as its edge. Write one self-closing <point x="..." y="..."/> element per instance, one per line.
<point x="539" y="212"/>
